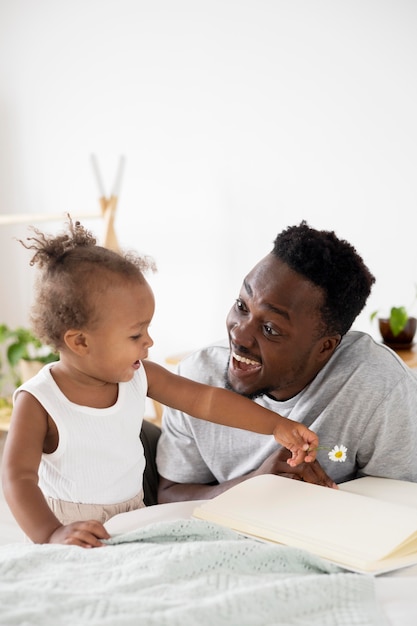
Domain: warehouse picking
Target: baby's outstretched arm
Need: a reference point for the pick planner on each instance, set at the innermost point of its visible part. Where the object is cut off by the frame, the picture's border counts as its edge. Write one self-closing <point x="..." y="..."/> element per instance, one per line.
<point x="221" y="406"/>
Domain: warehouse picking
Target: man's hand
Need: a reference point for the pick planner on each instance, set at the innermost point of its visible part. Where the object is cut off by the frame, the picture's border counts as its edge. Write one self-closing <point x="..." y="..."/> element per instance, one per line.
<point x="276" y="463"/>
<point x="83" y="534"/>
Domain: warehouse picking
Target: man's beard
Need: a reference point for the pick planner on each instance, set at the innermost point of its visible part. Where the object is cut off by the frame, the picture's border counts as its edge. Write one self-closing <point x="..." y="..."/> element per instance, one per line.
<point x="252" y="396"/>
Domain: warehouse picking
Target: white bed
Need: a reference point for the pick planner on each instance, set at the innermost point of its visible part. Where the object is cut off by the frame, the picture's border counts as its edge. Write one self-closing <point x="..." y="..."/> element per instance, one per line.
<point x="396" y="593"/>
<point x="162" y="567"/>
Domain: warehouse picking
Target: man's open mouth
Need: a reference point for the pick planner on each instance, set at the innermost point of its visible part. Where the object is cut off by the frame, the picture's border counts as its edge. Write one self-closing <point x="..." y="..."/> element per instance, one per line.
<point x="243" y="363"/>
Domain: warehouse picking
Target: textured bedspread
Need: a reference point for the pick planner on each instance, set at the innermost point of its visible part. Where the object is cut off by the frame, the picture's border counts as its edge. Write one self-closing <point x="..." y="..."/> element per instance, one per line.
<point x="185" y="573"/>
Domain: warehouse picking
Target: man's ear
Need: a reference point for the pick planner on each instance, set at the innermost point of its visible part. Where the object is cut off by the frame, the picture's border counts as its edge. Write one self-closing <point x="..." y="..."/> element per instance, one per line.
<point x="76" y="341"/>
<point x="327" y="346"/>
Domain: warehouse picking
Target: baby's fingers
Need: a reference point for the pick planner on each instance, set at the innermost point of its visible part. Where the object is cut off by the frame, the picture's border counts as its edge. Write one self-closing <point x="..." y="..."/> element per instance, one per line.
<point x="298" y="456"/>
<point x="83" y="534"/>
<point x="305" y="454"/>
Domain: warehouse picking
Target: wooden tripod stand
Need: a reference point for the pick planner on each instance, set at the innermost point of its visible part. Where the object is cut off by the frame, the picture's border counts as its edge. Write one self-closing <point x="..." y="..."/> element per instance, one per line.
<point x="108" y="204"/>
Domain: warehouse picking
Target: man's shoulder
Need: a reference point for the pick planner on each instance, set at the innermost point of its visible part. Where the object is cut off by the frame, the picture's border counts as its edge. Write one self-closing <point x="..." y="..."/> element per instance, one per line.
<point x="207" y="364"/>
<point x="359" y="349"/>
<point x="358" y="344"/>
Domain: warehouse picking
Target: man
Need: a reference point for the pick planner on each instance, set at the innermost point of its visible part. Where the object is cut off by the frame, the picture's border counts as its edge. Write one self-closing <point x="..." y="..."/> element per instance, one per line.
<point x="290" y="350"/>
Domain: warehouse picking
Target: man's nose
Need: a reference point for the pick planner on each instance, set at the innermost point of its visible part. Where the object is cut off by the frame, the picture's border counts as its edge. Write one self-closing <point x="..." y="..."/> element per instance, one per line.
<point x="242" y="332"/>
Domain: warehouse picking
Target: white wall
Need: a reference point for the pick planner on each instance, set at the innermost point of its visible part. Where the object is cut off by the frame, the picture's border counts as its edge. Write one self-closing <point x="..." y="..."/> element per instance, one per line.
<point x="236" y="119"/>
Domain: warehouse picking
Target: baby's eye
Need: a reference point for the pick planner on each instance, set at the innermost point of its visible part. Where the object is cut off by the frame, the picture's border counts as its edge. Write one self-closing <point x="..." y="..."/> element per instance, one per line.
<point x="135" y="337"/>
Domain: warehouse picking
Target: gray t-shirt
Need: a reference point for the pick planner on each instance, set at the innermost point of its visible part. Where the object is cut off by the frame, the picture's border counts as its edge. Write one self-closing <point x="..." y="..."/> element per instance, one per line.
<point x="365" y="398"/>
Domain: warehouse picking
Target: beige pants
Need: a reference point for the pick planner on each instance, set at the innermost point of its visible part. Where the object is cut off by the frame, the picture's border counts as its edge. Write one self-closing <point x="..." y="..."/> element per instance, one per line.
<point x="68" y="512"/>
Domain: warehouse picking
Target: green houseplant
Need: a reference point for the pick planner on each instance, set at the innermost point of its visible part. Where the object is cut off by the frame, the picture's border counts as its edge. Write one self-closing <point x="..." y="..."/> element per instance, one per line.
<point x="399" y="327"/>
<point x="19" y="344"/>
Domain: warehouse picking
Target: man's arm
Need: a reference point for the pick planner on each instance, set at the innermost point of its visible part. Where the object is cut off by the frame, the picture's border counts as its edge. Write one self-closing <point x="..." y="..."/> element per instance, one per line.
<point x="276" y="463"/>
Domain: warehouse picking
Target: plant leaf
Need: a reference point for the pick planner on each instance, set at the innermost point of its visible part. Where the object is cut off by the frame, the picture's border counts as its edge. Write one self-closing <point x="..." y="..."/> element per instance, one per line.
<point x="15" y="352"/>
<point x="398" y="319"/>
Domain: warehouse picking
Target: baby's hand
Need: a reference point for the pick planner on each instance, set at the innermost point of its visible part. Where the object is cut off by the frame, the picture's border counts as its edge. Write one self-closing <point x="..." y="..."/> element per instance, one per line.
<point x="305" y="455"/>
<point x="83" y="534"/>
<point x="297" y="438"/>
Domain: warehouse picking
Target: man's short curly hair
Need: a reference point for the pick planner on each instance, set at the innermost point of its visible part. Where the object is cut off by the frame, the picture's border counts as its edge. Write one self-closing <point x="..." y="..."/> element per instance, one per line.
<point x="73" y="272"/>
<point x="331" y="264"/>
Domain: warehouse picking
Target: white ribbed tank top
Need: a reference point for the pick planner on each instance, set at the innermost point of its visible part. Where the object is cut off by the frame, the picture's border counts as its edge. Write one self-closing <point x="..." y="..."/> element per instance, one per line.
<point x="99" y="458"/>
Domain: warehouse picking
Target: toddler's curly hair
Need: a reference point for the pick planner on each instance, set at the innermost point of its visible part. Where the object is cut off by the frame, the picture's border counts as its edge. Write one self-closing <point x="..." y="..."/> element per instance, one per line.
<point x="74" y="271"/>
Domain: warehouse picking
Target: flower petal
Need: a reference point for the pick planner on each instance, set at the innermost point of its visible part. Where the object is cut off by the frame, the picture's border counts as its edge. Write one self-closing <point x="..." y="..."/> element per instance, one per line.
<point x="338" y="454"/>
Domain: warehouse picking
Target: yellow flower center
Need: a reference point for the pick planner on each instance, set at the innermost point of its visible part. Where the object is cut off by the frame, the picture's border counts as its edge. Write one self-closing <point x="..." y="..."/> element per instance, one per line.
<point x="338" y="454"/>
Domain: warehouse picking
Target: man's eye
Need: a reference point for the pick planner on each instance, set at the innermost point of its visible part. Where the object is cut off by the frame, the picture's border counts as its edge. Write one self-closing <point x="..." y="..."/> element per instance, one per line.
<point x="239" y="305"/>
<point x="268" y="330"/>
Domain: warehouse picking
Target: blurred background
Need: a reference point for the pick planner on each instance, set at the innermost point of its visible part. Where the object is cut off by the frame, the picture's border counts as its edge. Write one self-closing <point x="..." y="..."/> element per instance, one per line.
<point x="236" y="118"/>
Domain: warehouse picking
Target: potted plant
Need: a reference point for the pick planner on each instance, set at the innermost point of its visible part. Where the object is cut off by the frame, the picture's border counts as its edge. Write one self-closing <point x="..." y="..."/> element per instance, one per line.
<point x="397" y="329"/>
<point x="24" y="355"/>
<point x="21" y="347"/>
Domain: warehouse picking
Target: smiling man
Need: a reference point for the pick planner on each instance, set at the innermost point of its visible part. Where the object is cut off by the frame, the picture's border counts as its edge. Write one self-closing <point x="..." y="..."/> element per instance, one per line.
<point x="290" y="349"/>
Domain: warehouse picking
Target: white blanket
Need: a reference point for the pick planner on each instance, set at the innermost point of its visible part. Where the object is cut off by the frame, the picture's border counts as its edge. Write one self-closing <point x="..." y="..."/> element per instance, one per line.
<point x="181" y="573"/>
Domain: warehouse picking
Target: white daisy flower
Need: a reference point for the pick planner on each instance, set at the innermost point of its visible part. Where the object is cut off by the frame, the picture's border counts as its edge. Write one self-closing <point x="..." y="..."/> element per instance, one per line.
<point x="338" y="453"/>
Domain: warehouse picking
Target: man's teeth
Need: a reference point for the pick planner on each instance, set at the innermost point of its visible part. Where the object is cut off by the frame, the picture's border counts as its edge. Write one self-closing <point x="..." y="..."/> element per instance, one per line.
<point x="243" y="359"/>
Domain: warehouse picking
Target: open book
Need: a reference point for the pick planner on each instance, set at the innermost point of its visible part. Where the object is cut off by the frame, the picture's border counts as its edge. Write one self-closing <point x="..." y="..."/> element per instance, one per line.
<point x="368" y="525"/>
